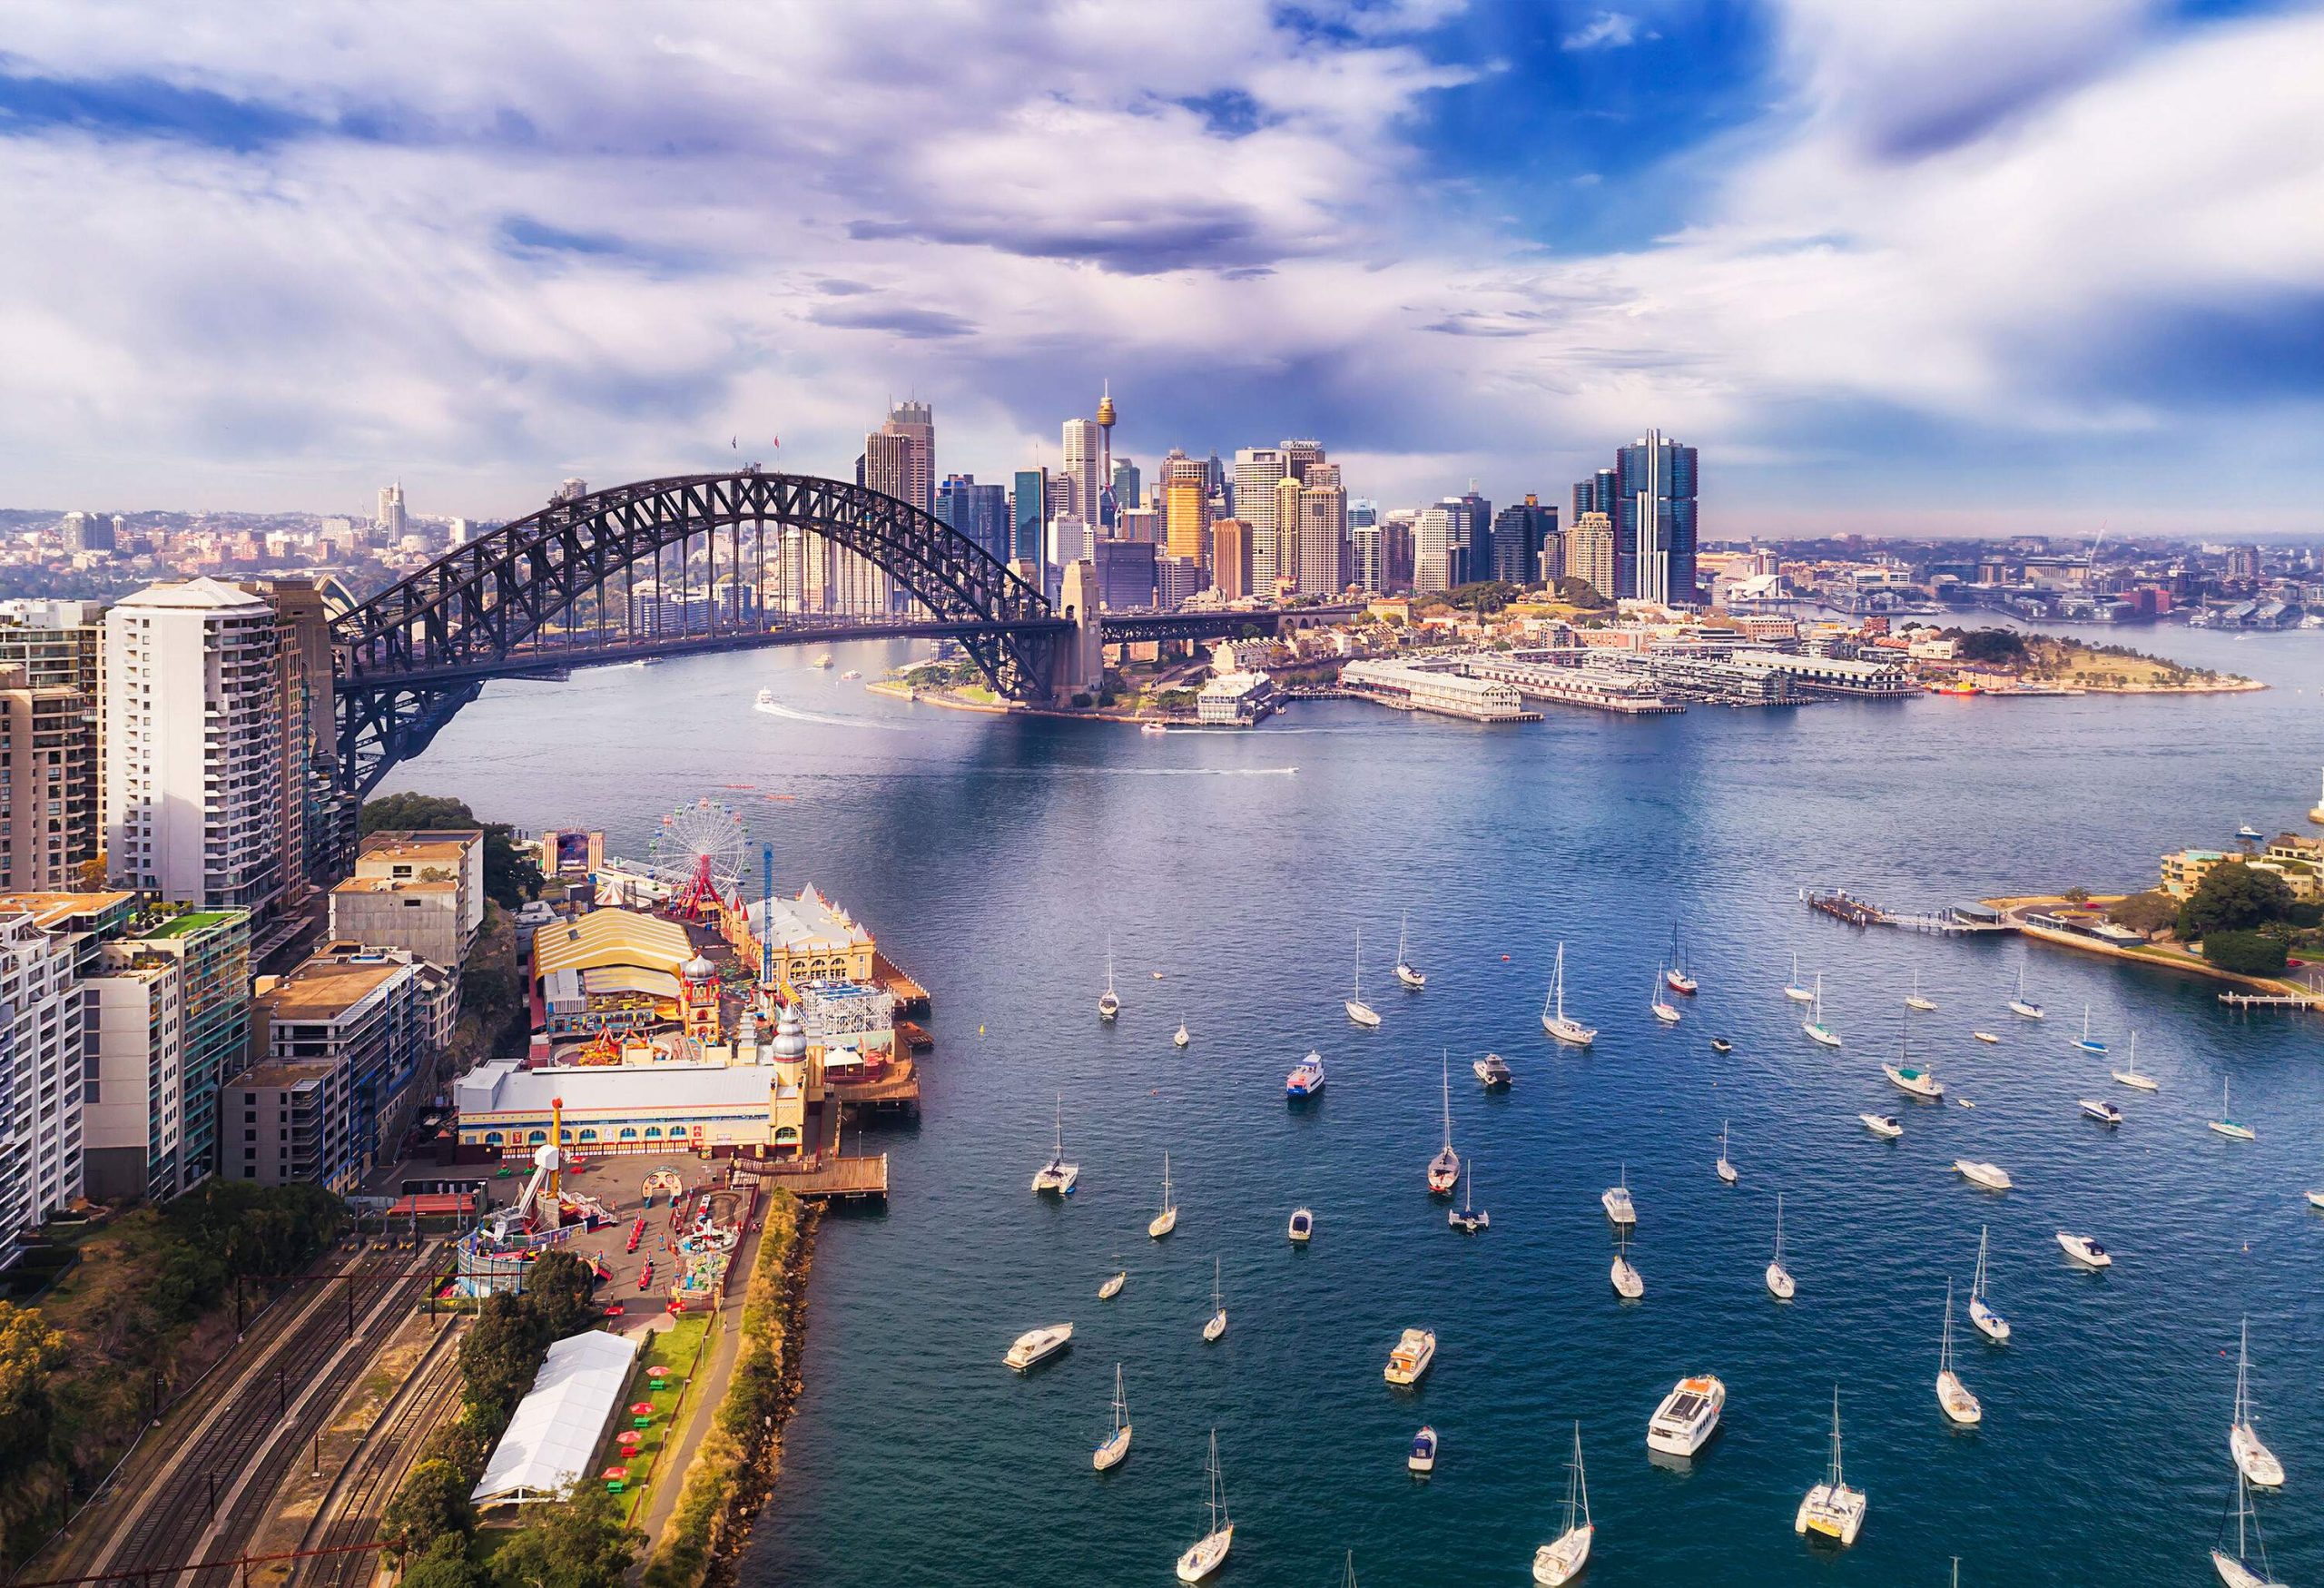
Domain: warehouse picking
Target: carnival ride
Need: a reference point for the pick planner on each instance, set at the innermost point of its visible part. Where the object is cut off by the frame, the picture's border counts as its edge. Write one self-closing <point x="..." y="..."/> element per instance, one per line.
<point x="700" y="851"/>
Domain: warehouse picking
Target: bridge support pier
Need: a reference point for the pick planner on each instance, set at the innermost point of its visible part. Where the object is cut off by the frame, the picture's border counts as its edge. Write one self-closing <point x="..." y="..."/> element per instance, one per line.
<point x="1077" y="658"/>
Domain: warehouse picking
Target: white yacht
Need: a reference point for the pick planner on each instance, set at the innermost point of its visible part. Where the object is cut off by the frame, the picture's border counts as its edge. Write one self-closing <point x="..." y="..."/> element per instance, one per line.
<point x="2227" y="1124"/>
<point x="2086" y="1042"/>
<point x="1916" y="1080"/>
<point x="1913" y="999"/>
<point x="1035" y="1346"/>
<point x="1560" y="1560"/>
<point x="822" y="661"/>
<point x="1056" y="1177"/>
<point x="1678" y="975"/>
<point x="2316" y="1198"/>
<point x="1166" y="1220"/>
<point x="1420" y="1460"/>
<point x="1688" y="1416"/>
<point x="1414" y="1350"/>
<point x="1886" y="1125"/>
<point x="1216" y="1324"/>
<point x="1116" y="1444"/>
<point x="1833" y="1510"/>
<point x="1629" y="1283"/>
<point x="2253" y="1459"/>
<point x="2086" y="1251"/>
<point x="1725" y="1170"/>
<point x="1817" y="1032"/>
<point x="1779" y="1281"/>
<point x="1985" y="1037"/>
<point x="1571" y="1032"/>
<point x="2100" y="1109"/>
<point x="1992" y="1176"/>
<point x="1468" y="1217"/>
<point x="1361" y="1013"/>
<point x="2235" y="1570"/>
<point x="1113" y="1285"/>
<point x="1307" y="1078"/>
<point x="1301" y="1228"/>
<point x="1444" y="1169"/>
<point x="1952" y="1397"/>
<point x="1405" y="973"/>
<point x="2128" y="1073"/>
<point x="1208" y="1553"/>
<point x="2021" y="1005"/>
<point x="1181" y="1037"/>
<point x="1109" y="1003"/>
<point x="1988" y="1322"/>
<point x="1661" y="1008"/>
<point x="1616" y="1200"/>
<point x="1792" y="989"/>
<point x="1494" y="1071"/>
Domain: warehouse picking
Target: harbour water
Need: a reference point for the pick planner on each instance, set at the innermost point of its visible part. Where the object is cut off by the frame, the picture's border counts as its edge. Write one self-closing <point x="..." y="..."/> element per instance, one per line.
<point x="995" y="855"/>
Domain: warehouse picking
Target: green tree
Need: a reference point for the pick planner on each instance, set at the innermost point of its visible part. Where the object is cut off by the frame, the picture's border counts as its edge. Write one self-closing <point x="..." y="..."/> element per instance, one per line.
<point x="2245" y="954"/>
<point x="561" y="1288"/>
<point x="2233" y="897"/>
<point x="1580" y="592"/>
<point x="445" y="1563"/>
<point x="2150" y="912"/>
<point x="28" y="1350"/>
<point x="581" y="1544"/>
<point x="499" y="1358"/>
<point x="1990" y="644"/>
<point x="511" y="876"/>
<point x="432" y="1505"/>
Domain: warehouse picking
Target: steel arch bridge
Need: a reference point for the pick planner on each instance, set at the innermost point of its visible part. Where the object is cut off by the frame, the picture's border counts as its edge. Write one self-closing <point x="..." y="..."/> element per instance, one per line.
<point x="535" y="594"/>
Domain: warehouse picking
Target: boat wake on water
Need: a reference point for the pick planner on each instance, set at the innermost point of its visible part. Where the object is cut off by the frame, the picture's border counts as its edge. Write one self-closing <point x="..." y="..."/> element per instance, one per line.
<point x="792" y="713"/>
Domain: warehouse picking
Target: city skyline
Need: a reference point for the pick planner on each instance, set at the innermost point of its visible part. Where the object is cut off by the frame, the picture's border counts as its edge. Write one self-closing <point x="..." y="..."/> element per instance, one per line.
<point x="1456" y="241"/>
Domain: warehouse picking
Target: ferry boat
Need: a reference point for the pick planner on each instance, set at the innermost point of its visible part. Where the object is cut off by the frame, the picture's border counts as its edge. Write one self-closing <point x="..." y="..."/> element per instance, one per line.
<point x="1494" y="1071"/>
<point x="1560" y="1560"/>
<point x="1421" y="1461"/>
<point x="1414" y="1350"/>
<point x="2086" y="1251"/>
<point x="1116" y="1444"/>
<point x="1307" y="1078"/>
<point x="2100" y="1109"/>
<point x="1056" y="1177"/>
<point x="1616" y="1200"/>
<point x="1886" y="1125"/>
<point x="1035" y="1346"/>
<point x="1571" y="1032"/>
<point x="1688" y="1416"/>
<point x="1990" y="1175"/>
<point x="1988" y="1322"/>
<point x="2252" y="1458"/>
<point x="1832" y="1510"/>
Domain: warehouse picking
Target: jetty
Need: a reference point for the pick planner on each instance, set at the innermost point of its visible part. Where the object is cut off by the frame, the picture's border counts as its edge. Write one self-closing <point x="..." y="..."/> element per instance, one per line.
<point x="861" y="1178"/>
<point x="1959" y="919"/>
<point x="2270" y="999"/>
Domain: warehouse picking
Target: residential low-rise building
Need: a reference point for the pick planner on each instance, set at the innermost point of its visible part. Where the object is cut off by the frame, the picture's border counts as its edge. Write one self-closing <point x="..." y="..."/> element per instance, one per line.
<point x="455" y="855"/>
<point x="424" y="915"/>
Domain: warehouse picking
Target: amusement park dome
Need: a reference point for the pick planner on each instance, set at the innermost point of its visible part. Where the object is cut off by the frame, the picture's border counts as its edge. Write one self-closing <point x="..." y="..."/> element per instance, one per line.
<point x="698" y="968"/>
<point x="790" y="1037"/>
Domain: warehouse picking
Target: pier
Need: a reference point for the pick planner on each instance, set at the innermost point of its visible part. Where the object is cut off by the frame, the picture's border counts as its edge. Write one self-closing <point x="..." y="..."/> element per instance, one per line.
<point x="1842" y="905"/>
<point x="1595" y="688"/>
<point x="860" y="1178"/>
<point x="2270" y="999"/>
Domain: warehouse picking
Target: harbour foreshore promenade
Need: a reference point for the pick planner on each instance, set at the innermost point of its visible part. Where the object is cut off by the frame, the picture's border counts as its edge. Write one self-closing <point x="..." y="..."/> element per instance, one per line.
<point x="2016" y="909"/>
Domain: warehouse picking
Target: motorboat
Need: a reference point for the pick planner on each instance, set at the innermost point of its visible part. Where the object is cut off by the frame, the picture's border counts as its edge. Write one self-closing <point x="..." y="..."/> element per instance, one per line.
<point x="2100" y="1109"/>
<point x="2128" y="1073"/>
<point x="2235" y="1570"/>
<point x="1779" y="1281"/>
<point x="822" y="661"/>
<point x="1913" y="999"/>
<point x="2021" y="1005"/>
<point x="2086" y="1251"/>
<point x="850" y="673"/>
<point x="1414" y="1350"/>
<point x="1494" y="1071"/>
<point x="1056" y="1177"/>
<point x="1560" y="1560"/>
<point x="1616" y="1200"/>
<point x="2086" y="1042"/>
<point x="1109" y="1003"/>
<point x="1832" y="1510"/>
<point x="1152" y="728"/>
<point x="1166" y="1220"/>
<point x="2249" y="834"/>
<point x="1817" y="1032"/>
<point x="1952" y="1397"/>
<point x="1422" y="1460"/>
<point x="1444" y="1169"/>
<point x="1405" y="972"/>
<point x="1659" y="1007"/>
<point x="1554" y="1020"/>
<point x="2253" y="1459"/>
<point x="1302" y="1228"/>
<point x="1035" y="1346"/>
<point x="1307" y="1078"/>
<point x="1361" y="1013"/>
<point x="1208" y="1553"/>
<point x="1216" y="1324"/>
<point x="765" y="701"/>
<point x="1886" y="1125"/>
<point x="1181" y="1037"/>
<point x="1984" y="1036"/>
<point x="1992" y="1176"/>
<point x="2227" y="1124"/>
<point x="1468" y="1217"/>
<point x="1113" y="1285"/>
<point x="2316" y="1198"/>
<point x="1721" y="1045"/>
<point x="1725" y="1169"/>
<point x="1678" y="975"/>
<point x="1988" y="1322"/>
<point x="1913" y="1078"/>
<point x="1116" y="1444"/>
<point x="1688" y="1416"/>
<point x="1792" y="989"/>
<point x="1629" y="1283"/>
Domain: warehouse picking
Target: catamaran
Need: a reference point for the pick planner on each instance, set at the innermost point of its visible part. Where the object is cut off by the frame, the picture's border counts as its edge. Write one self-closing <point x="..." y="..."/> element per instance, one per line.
<point x="2023" y="1005"/>
<point x="1676" y="975"/>
<point x="2086" y="1042"/>
<point x="1410" y="977"/>
<point x="1116" y="1444"/>
<point x="1307" y="1078"/>
<point x="1916" y="1078"/>
<point x="1913" y="999"/>
<point x="1792" y="989"/>
<point x="1057" y="1176"/>
<point x="2235" y="1570"/>
<point x="1361" y="1013"/>
<point x="1208" y="1553"/>
<point x="1469" y="1216"/>
<point x="1109" y="1004"/>
<point x="1560" y="1560"/>
<point x="1989" y="1323"/>
<point x="1833" y="1510"/>
<point x="1817" y="1032"/>
<point x="2227" y="1124"/>
<point x="2128" y="1073"/>
<point x="1216" y="1325"/>
<point x="1661" y="1007"/>
<point x="1953" y="1396"/>
<point x="1167" y="1220"/>
<point x="1553" y="1016"/>
<point x="1779" y="1280"/>
<point x="1444" y="1169"/>
<point x="1725" y="1169"/>
<point x="1494" y="1071"/>
<point x="2254" y="1459"/>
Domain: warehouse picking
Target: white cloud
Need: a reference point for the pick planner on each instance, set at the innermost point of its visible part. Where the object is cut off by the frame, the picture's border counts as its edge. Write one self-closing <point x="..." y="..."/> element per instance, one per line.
<point x="1607" y="30"/>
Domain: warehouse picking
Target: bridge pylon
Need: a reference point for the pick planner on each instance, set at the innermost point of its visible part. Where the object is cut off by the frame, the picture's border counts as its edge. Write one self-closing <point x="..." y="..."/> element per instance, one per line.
<point x="1077" y="656"/>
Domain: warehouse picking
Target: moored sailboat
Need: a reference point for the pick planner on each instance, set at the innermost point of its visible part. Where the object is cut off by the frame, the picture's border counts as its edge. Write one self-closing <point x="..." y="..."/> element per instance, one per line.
<point x="1116" y="1444"/>
<point x="1725" y="1169"/>
<point x="2086" y="1042"/>
<point x="1444" y="1169"/>
<point x="2021" y="1005"/>
<point x="1832" y="1510"/>
<point x="1469" y="1216"/>
<point x="1058" y="1176"/>
<point x="1952" y="1397"/>
<point x="1560" y="1560"/>
<point x="1361" y="1013"/>
<point x="2128" y="1073"/>
<point x="1405" y="972"/>
<point x="1554" y="1021"/>
<point x="1817" y="1032"/>
<point x="1989" y="1323"/>
<point x="1109" y="1003"/>
<point x="1792" y="989"/>
<point x="1779" y="1281"/>
<point x="1661" y="1008"/>
<point x="2227" y="1124"/>
<point x="1167" y="1220"/>
<point x="2235" y="1570"/>
<point x="1678" y="975"/>
<point x="1217" y="1323"/>
<point x="1208" y="1553"/>
<point x="2253" y="1459"/>
<point x="1913" y="999"/>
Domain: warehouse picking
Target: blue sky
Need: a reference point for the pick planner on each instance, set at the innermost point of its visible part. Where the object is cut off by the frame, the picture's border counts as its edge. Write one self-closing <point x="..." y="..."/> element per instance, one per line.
<point x="1901" y="267"/>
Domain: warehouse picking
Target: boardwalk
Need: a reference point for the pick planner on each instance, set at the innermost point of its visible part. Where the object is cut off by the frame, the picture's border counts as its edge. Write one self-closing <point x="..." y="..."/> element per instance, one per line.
<point x="844" y="1179"/>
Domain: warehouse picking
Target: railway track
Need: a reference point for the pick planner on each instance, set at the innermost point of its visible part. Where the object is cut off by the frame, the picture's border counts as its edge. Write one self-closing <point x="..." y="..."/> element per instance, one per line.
<point x="350" y="1514"/>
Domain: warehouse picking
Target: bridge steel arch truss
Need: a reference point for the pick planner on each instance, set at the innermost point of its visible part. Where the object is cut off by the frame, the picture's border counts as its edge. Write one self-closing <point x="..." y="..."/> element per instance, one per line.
<point x="409" y="658"/>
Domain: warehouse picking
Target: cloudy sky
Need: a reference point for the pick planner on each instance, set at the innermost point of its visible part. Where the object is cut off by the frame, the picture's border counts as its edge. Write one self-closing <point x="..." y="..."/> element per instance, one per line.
<point x="1894" y="265"/>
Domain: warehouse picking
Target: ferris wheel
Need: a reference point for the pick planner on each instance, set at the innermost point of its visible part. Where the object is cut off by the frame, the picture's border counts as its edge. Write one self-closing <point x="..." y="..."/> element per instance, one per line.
<point x="700" y="850"/>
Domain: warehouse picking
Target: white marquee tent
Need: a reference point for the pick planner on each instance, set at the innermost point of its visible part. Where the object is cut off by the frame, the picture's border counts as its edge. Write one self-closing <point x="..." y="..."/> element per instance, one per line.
<point x="556" y="1428"/>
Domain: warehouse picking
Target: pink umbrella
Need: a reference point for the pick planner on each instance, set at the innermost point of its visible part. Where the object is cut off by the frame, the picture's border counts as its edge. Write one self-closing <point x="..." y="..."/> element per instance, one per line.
<point x="642" y="1409"/>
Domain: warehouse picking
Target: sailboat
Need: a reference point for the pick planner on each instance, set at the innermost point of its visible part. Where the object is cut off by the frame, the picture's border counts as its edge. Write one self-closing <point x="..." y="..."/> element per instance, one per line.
<point x="1661" y="1008"/>
<point x="1833" y="1510"/>
<point x="1916" y="1078"/>
<point x="1817" y="1032"/>
<point x="1779" y="1280"/>
<point x="2023" y="1005"/>
<point x="1675" y="975"/>
<point x="1953" y="1396"/>
<point x="1181" y="1037"/>
<point x="2086" y="1042"/>
<point x="1725" y="1169"/>
<point x="1444" y="1169"/>
<point x="1108" y="1005"/>
<point x="1469" y="1216"/>
<point x="1113" y="1282"/>
<point x="2227" y="1124"/>
<point x="1553" y="1016"/>
<point x="1361" y="1013"/>
<point x="1056" y="1175"/>
<point x="1208" y="1553"/>
<point x="1116" y="1444"/>
<point x="2128" y="1073"/>
<point x="1913" y="999"/>
<point x="1560" y="1560"/>
<point x="2235" y="1570"/>
<point x="2254" y="1459"/>
<point x="1413" y="978"/>
<point x="1167" y="1220"/>
<point x="1792" y="989"/>
<point x="1990" y="1324"/>
<point x="1629" y="1283"/>
<point x="1216" y="1326"/>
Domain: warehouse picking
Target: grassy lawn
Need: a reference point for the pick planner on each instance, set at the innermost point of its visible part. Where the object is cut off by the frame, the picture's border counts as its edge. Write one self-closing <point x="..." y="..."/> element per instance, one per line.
<point x="674" y="1348"/>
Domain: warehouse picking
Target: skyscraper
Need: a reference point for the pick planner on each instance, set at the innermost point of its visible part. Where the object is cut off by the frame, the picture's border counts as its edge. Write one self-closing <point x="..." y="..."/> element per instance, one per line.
<point x="1323" y="530"/>
<point x="1127" y="490"/>
<point x="1257" y="470"/>
<point x="1028" y="515"/>
<point x="391" y="517"/>
<point x="906" y="473"/>
<point x="1589" y="552"/>
<point x="1230" y="558"/>
<point x="1286" y="535"/>
<point x="1654" y="521"/>
<point x="980" y="512"/>
<point x="1594" y="494"/>
<point x="1082" y="477"/>
<point x="1185" y="508"/>
<point x="1432" y="535"/>
<point x="1518" y="533"/>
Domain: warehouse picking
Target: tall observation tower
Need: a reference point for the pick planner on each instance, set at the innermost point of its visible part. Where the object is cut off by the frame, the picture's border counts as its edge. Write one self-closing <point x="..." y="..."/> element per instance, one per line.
<point x="1108" y="509"/>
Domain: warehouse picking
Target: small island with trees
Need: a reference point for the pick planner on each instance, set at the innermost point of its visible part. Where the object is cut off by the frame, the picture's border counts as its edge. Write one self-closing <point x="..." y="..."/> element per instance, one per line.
<point x="2057" y="664"/>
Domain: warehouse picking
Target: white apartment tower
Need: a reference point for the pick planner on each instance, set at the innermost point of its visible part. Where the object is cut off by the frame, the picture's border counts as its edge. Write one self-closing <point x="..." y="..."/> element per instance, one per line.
<point x="1257" y="471"/>
<point x="391" y="521"/>
<point x="41" y="1073"/>
<point x="1085" y="465"/>
<point x="194" y="745"/>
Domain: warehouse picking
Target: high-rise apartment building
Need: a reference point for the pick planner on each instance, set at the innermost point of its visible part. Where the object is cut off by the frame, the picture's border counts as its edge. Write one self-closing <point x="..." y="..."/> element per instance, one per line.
<point x="1596" y="494"/>
<point x="390" y="520"/>
<point x="1654" y="520"/>
<point x="1398" y="550"/>
<point x="1028" y="517"/>
<point x="1185" y="508"/>
<point x="47" y="772"/>
<point x="1432" y="538"/>
<point x="1230" y="558"/>
<point x="1257" y="471"/>
<point x="1366" y="548"/>
<point x="91" y="532"/>
<point x="42" y="1078"/>
<point x="1287" y="535"/>
<point x="1589" y="552"/>
<point x="193" y="735"/>
<point x="57" y="645"/>
<point x="1322" y="545"/>
<point x="1082" y="475"/>
<point x="980" y="512"/>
